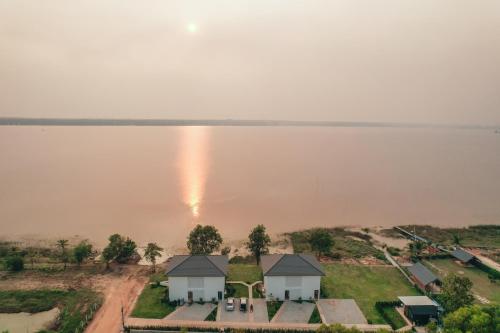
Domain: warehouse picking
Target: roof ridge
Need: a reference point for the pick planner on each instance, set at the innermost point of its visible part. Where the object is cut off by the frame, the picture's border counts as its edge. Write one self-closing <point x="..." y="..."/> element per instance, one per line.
<point x="301" y="257"/>
<point x="214" y="264"/>
<point x="282" y="255"/>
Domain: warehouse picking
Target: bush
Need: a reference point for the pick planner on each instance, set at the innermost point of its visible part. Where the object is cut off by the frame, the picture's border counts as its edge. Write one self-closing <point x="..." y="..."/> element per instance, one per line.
<point x="393" y="251"/>
<point x="14" y="263"/>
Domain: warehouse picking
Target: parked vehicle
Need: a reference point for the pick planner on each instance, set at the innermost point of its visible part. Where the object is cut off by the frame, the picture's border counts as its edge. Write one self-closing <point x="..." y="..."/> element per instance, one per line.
<point x="230" y="304"/>
<point x="243" y="304"/>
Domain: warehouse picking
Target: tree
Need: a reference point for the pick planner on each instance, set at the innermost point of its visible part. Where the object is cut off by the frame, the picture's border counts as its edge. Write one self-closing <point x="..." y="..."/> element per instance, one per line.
<point x="62" y="243"/>
<point x="82" y="252"/>
<point x="259" y="242"/>
<point x="225" y="250"/>
<point x="321" y="241"/>
<point x="14" y="263"/>
<point x="473" y="319"/>
<point x="456" y="292"/>
<point x="108" y="255"/>
<point x="151" y="253"/>
<point x="119" y="249"/>
<point x="431" y="327"/>
<point x="204" y="240"/>
<point x="456" y="239"/>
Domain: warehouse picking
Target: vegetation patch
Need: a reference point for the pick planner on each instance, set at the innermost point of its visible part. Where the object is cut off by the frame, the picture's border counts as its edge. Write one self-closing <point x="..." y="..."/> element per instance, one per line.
<point x="366" y="285"/>
<point x="473" y="236"/>
<point x="346" y="244"/>
<point x="272" y="308"/>
<point x="315" y="317"/>
<point x="248" y="273"/>
<point x="75" y="305"/>
<point x="388" y="311"/>
<point x="153" y="303"/>
<point x="481" y="282"/>
<point x="212" y="316"/>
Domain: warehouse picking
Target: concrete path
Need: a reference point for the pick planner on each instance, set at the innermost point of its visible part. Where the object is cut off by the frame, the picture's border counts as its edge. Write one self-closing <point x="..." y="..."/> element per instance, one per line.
<point x="195" y="311"/>
<point x="342" y="311"/>
<point x="250" y="295"/>
<point x="260" y="310"/>
<point x="293" y="312"/>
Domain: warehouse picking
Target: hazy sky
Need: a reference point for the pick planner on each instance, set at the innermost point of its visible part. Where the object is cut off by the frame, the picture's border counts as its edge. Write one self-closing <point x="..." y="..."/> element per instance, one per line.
<point x="391" y="60"/>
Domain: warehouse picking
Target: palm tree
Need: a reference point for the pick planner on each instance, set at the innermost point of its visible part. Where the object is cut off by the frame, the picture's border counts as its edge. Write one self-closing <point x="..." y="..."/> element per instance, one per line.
<point x="456" y="239"/>
<point x="62" y="243"/>
<point x="152" y="251"/>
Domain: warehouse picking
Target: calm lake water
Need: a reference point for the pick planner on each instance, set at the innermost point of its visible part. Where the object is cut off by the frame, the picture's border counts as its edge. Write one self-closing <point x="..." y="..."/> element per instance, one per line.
<point x="156" y="183"/>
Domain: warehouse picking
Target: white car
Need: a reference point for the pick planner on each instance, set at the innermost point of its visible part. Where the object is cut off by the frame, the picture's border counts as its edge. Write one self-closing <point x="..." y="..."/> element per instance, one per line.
<point x="230" y="304"/>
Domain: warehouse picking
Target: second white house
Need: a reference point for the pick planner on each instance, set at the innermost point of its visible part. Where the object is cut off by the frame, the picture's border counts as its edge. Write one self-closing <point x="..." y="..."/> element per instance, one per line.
<point x="291" y="276"/>
<point x="196" y="278"/>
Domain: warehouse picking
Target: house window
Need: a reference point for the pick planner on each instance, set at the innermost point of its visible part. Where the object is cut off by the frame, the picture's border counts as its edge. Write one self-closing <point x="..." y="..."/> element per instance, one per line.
<point x="195" y="282"/>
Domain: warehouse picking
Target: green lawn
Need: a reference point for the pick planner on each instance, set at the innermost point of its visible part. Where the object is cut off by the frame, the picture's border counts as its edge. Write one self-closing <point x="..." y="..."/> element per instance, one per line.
<point x="74" y="305"/>
<point x="366" y="285"/>
<point x="150" y="305"/>
<point x="244" y="272"/>
<point x="396" y="321"/>
<point x="481" y="283"/>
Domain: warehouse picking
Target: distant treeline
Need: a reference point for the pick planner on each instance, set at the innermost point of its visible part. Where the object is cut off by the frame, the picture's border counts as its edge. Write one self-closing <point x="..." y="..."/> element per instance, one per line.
<point x="16" y="121"/>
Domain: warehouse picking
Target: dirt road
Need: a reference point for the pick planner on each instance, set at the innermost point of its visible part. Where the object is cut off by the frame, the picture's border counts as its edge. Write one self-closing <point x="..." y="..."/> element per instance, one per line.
<point x="121" y="285"/>
<point x="119" y="291"/>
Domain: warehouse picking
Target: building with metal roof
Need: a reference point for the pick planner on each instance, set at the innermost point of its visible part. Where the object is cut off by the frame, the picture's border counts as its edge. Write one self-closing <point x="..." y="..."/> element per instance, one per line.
<point x="197" y="277"/>
<point x="291" y="276"/>
<point x="423" y="277"/>
<point x="419" y="309"/>
<point x="463" y="256"/>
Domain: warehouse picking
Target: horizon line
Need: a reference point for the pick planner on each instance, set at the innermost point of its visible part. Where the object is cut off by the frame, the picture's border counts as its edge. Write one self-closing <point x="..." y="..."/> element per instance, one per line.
<point x="29" y="121"/>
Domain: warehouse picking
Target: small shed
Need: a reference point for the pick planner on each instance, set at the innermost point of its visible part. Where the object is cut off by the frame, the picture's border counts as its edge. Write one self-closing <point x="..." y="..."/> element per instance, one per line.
<point x="464" y="256"/>
<point x="423" y="277"/>
<point x="419" y="309"/>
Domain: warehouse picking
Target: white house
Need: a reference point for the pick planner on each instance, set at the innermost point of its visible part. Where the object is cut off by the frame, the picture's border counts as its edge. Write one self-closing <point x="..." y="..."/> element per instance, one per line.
<point x="291" y="276"/>
<point x="197" y="277"/>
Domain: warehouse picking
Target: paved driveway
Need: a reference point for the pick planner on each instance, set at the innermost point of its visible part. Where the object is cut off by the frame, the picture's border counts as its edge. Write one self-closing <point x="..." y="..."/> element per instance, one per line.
<point x="343" y="311"/>
<point x="194" y="311"/>
<point x="233" y="316"/>
<point x="293" y="312"/>
<point x="260" y="310"/>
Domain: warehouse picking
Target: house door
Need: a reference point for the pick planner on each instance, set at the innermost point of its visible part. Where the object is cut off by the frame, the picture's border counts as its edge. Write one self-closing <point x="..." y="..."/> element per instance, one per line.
<point x="219" y="295"/>
<point x="190" y="296"/>
<point x="316" y="294"/>
<point x="287" y="295"/>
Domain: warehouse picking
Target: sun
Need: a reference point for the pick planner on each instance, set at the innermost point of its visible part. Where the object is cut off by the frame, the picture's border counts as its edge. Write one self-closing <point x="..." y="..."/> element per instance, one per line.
<point x="192" y="27"/>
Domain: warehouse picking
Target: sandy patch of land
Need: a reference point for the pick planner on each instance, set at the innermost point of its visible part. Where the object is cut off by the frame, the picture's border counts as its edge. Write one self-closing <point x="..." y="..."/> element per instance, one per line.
<point x="119" y="293"/>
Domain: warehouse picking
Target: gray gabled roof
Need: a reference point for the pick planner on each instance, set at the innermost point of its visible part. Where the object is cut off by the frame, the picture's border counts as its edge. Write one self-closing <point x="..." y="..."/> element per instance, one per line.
<point x="291" y="265"/>
<point x="417" y="301"/>
<point x="462" y="255"/>
<point x="197" y="266"/>
<point x="422" y="273"/>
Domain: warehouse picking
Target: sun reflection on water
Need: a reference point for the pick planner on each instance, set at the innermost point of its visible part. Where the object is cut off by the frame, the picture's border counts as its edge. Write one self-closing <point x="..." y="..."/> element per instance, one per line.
<point x="194" y="165"/>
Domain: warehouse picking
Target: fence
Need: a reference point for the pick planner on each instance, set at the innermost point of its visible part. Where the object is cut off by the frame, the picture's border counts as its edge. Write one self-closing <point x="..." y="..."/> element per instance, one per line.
<point x="88" y="317"/>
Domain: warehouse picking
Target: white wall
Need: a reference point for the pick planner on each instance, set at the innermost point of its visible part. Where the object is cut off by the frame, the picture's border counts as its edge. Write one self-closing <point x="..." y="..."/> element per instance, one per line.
<point x="299" y="286"/>
<point x="204" y="287"/>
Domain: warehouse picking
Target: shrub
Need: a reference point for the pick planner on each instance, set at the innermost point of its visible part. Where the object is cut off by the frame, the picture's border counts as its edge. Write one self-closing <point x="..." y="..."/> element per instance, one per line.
<point x="14" y="263"/>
